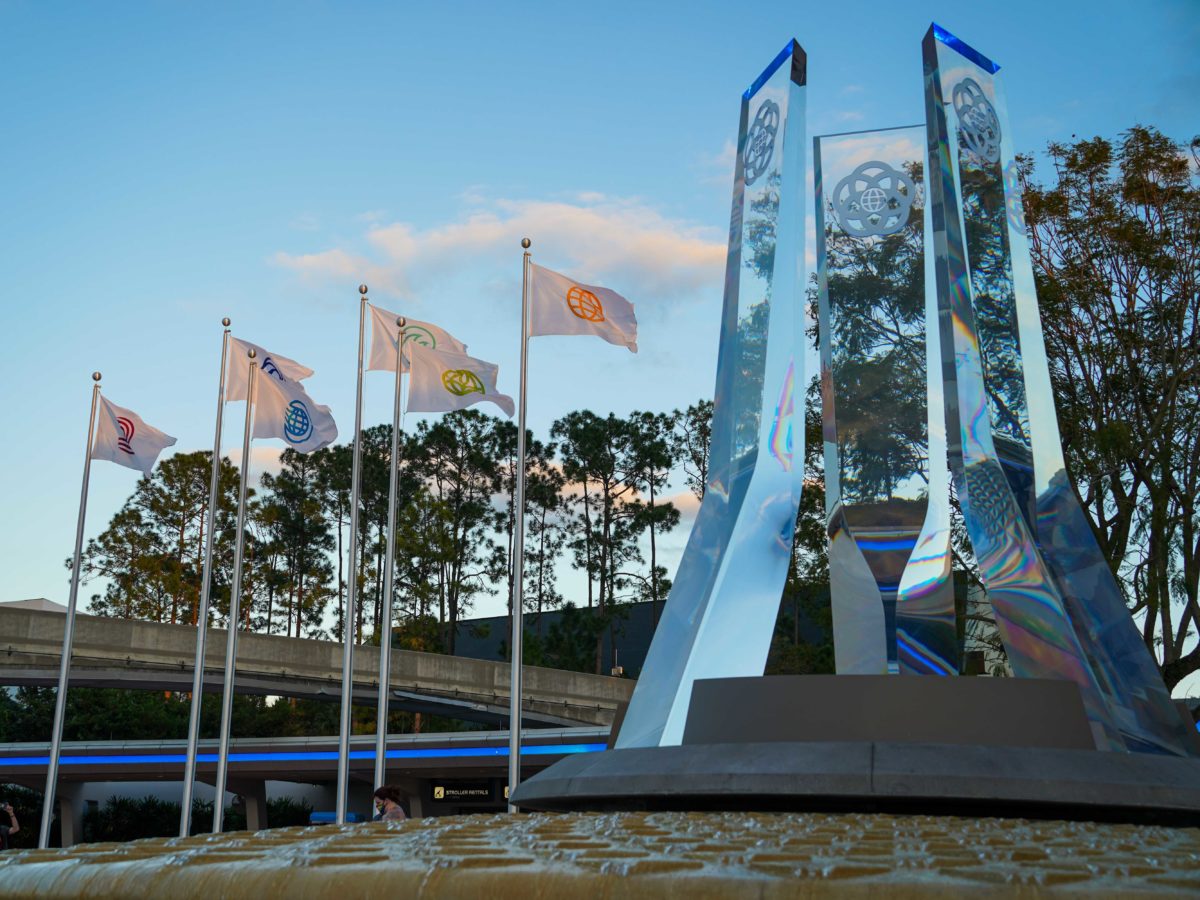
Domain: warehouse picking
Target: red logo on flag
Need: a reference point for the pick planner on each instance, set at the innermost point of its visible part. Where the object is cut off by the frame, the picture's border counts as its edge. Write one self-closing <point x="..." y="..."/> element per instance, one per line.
<point x="126" y="426"/>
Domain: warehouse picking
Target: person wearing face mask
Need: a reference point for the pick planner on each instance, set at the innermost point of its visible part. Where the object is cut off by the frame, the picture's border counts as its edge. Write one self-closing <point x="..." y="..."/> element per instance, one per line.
<point x="388" y="806"/>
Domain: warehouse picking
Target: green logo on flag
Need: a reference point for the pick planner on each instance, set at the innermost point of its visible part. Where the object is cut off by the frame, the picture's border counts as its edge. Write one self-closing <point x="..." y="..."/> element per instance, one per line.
<point x="461" y="382"/>
<point x="422" y="337"/>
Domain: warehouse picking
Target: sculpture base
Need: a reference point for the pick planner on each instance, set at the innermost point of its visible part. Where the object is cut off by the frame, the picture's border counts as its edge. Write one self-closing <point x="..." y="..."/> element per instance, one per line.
<point x="880" y="744"/>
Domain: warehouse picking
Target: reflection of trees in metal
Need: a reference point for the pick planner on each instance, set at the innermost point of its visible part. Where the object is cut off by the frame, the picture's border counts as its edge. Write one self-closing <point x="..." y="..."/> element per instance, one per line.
<point x="877" y="323"/>
<point x="754" y="315"/>
<point x="888" y="521"/>
<point x="986" y="234"/>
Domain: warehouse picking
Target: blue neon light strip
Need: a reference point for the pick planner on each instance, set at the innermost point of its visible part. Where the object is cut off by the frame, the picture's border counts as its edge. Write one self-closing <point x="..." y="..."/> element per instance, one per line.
<point x="301" y="756"/>
<point x="965" y="49"/>
<point x="878" y="545"/>
<point x="784" y="55"/>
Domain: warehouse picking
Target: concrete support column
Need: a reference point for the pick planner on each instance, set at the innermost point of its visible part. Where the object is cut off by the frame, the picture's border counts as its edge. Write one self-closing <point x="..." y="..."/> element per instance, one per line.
<point x="254" y="795"/>
<point x="70" y="812"/>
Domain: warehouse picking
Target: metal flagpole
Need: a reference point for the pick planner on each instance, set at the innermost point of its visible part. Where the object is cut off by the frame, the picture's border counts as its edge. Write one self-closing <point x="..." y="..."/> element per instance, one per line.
<point x="385" y="617"/>
<point x="64" y="666"/>
<point x="343" y="777"/>
<point x="514" y="701"/>
<point x="235" y="598"/>
<point x="189" y="767"/>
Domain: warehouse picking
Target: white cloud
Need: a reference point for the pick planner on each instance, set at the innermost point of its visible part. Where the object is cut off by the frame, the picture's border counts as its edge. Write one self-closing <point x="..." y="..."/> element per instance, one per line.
<point x="263" y="460"/>
<point x="841" y="157"/>
<point x="717" y="168"/>
<point x="687" y="504"/>
<point x="622" y="243"/>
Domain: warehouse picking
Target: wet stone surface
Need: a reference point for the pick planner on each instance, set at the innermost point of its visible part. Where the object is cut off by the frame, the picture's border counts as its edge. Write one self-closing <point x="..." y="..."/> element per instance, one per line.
<point x="633" y="855"/>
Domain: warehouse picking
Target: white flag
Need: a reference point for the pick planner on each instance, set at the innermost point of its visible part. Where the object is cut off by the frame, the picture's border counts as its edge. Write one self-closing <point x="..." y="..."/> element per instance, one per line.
<point x="271" y="365"/>
<point x="283" y="409"/>
<point x="442" y="381"/>
<point x="122" y="437"/>
<point x="559" y="305"/>
<point x="384" y="331"/>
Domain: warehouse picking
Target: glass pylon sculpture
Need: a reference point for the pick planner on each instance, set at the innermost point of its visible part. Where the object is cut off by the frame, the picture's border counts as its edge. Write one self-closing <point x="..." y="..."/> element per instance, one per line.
<point x="1058" y="607"/>
<point x="886" y="479"/>
<point x="720" y="615"/>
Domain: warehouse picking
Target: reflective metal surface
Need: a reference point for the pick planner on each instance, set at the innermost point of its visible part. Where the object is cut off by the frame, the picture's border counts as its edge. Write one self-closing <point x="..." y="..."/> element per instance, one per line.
<point x="1144" y="713"/>
<point x="721" y="612"/>
<point x="887" y="489"/>
<point x="1058" y="608"/>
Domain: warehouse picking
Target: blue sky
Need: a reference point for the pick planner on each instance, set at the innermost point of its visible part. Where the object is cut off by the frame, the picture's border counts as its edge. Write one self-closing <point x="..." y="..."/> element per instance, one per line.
<point x="166" y="164"/>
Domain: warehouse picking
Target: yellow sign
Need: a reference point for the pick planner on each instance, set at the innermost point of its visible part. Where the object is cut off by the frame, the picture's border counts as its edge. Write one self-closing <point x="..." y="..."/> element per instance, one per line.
<point x="584" y="304"/>
<point x="461" y="382"/>
<point x="439" y="792"/>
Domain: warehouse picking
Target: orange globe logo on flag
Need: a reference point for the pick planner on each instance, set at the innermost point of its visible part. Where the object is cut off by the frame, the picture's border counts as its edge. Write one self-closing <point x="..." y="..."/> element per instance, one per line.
<point x="461" y="382"/>
<point x="585" y="304"/>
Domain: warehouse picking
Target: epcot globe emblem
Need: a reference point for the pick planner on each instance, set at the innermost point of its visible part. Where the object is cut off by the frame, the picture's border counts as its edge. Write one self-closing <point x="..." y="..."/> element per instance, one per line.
<point x="873" y="201"/>
<point x="978" y="124"/>
<point x="297" y="424"/>
<point x="760" y="142"/>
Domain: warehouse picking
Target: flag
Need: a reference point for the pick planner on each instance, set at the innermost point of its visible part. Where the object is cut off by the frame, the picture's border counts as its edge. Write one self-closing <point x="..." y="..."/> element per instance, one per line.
<point x="284" y="410"/>
<point x="383" y="340"/>
<point x="122" y="437"/>
<point x="271" y="365"/>
<point x="559" y="305"/>
<point x="442" y="381"/>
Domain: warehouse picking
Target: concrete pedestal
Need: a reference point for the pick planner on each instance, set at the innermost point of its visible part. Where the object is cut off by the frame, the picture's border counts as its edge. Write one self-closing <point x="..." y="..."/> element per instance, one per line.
<point x="967" y="746"/>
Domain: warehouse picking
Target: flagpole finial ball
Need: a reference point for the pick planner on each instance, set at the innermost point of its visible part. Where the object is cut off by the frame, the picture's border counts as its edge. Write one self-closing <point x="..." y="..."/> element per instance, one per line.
<point x="225" y="321"/>
<point x="526" y="242"/>
<point x="362" y="289"/>
<point x="401" y="321"/>
<point x="95" y="376"/>
<point x="251" y="353"/>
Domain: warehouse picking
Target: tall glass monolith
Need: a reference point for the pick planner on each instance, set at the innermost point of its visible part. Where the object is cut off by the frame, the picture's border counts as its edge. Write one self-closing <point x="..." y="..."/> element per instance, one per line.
<point x="886" y="479"/>
<point x="720" y="615"/>
<point x="1057" y="604"/>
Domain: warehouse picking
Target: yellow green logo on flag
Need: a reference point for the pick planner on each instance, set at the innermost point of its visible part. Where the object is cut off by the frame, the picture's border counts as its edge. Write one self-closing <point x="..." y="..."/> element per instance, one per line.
<point x="461" y="382"/>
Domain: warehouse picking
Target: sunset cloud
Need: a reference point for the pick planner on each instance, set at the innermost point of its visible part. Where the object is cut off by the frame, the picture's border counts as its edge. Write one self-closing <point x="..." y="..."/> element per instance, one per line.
<point x="623" y="243"/>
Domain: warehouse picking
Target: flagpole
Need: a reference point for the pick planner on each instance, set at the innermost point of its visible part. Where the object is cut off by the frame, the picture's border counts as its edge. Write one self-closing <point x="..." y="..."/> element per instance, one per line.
<point x="235" y="597"/>
<point x="64" y="665"/>
<point x="385" y="617"/>
<point x="343" y="775"/>
<point x="189" y="769"/>
<point x="514" y="700"/>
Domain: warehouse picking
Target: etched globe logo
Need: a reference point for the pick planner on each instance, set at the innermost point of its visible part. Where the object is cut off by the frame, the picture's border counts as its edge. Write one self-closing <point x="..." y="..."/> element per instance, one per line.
<point x="760" y="142"/>
<point x="978" y="124"/>
<point x="873" y="201"/>
<point x="584" y="304"/>
<point x="297" y="424"/>
<point x="461" y="382"/>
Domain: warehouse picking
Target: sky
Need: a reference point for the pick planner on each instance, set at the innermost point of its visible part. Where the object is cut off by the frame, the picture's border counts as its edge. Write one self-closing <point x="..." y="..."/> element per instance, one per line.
<point x="168" y="164"/>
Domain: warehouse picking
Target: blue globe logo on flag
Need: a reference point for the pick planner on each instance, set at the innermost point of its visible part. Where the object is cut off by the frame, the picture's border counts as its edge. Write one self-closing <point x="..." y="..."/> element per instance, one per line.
<point x="297" y="425"/>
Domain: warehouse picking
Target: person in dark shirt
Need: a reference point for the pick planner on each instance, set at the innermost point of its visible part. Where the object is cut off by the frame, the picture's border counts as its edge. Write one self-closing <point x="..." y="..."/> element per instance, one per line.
<point x="12" y="826"/>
